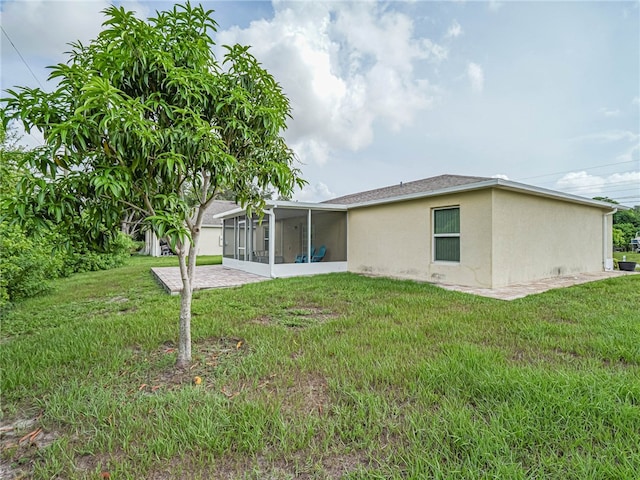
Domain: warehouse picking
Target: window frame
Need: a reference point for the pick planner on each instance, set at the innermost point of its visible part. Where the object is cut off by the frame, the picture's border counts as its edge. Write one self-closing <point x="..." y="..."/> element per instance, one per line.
<point x="435" y="235"/>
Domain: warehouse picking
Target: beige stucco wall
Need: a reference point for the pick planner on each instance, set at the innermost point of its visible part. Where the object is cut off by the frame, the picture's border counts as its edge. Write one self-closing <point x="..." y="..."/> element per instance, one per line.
<point x="505" y="238"/>
<point x="396" y="240"/>
<point x="537" y="237"/>
<point x="209" y="244"/>
<point x="210" y="241"/>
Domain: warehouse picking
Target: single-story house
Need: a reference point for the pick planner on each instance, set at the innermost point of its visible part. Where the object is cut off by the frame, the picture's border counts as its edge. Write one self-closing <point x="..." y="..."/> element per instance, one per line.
<point x="210" y="234"/>
<point x="451" y="229"/>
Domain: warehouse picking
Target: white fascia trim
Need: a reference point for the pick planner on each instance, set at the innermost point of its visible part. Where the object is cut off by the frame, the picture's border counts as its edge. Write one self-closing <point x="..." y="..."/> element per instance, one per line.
<point x="307" y="205"/>
<point x="286" y="204"/>
<point x="229" y="213"/>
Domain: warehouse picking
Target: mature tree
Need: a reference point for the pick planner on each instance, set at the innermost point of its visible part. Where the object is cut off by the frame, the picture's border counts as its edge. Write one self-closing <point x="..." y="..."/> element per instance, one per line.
<point x="626" y="224"/>
<point x="145" y="117"/>
<point x="631" y="216"/>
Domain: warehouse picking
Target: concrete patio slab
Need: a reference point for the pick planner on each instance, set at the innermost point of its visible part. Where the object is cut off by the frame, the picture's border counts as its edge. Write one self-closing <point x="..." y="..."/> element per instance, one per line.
<point x="217" y="276"/>
<point x="207" y="277"/>
<point x="513" y="292"/>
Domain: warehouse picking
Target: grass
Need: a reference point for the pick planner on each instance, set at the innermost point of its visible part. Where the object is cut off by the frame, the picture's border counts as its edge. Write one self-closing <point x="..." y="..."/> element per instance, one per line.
<point x="629" y="257"/>
<point x="332" y="376"/>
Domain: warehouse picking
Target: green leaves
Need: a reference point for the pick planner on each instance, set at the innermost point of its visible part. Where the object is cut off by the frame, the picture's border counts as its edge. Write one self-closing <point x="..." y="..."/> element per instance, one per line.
<point x="145" y="117"/>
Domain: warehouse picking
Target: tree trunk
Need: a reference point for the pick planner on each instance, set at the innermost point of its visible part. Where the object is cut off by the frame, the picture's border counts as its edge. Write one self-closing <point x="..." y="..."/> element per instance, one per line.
<point x="184" y="341"/>
<point x="188" y="274"/>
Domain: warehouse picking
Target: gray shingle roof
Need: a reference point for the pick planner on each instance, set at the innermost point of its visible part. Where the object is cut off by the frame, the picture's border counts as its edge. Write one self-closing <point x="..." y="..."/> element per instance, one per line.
<point x="218" y="206"/>
<point x="408" y="188"/>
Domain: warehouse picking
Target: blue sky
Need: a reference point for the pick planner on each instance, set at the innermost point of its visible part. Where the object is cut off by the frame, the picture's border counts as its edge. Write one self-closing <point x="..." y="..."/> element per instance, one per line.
<point x="546" y="93"/>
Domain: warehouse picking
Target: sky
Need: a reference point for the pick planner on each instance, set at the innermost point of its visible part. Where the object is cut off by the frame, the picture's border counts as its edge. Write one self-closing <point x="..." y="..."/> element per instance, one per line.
<point x="545" y="93"/>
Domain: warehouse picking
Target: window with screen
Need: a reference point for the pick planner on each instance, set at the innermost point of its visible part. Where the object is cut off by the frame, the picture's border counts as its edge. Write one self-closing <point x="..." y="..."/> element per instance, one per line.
<point x="446" y="234"/>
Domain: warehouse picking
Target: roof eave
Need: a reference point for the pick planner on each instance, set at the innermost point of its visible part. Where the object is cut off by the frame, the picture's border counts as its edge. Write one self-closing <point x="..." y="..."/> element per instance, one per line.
<point x="307" y="205"/>
<point x="285" y="204"/>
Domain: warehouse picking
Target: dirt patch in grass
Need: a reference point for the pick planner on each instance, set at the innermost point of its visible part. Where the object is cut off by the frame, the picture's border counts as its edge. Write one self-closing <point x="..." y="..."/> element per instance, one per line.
<point x="306" y="393"/>
<point x="302" y="465"/>
<point x="297" y="317"/>
<point x="208" y="355"/>
<point x="101" y="461"/>
<point x="562" y="356"/>
<point x="21" y="440"/>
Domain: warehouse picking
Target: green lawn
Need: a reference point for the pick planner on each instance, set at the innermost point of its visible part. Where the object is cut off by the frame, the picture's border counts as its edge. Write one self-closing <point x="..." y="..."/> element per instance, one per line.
<point x="333" y="376"/>
<point x="629" y="257"/>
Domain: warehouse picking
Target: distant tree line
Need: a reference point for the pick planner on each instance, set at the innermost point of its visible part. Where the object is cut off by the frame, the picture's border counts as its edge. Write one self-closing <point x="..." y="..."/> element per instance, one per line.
<point x="626" y="224"/>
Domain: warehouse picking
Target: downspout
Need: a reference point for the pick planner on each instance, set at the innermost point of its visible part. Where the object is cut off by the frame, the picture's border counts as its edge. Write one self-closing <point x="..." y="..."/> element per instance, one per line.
<point x="272" y="243"/>
<point x="607" y="262"/>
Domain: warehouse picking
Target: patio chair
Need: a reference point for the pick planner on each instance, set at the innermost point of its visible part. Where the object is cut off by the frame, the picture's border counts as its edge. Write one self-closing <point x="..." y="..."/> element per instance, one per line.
<point x="320" y="255"/>
<point x="302" y="258"/>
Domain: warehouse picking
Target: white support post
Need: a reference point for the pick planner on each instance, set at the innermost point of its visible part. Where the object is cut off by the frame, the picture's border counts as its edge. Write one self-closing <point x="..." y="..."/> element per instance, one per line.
<point x="309" y="235"/>
<point x="272" y="243"/>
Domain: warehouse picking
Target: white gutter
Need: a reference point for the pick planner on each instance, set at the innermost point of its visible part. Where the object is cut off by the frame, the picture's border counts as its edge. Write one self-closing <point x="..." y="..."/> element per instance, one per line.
<point x="284" y="204"/>
<point x="305" y="205"/>
<point x="607" y="261"/>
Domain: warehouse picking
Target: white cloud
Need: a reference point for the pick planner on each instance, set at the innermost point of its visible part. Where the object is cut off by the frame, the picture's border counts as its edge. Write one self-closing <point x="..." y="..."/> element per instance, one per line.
<point x="42" y="30"/>
<point x="495" y="5"/>
<point x="344" y="67"/>
<point x="434" y="52"/>
<point x="314" y="193"/>
<point x="580" y="180"/>
<point x="312" y="151"/>
<point x="476" y="76"/>
<point x="586" y="185"/>
<point x="608" y="136"/>
<point x="635" y="101"/>
<point x="607" y="112"/>
<point x="632" y="154"/>
<point x="455" y="30"/>
<point x="501" y="176"/>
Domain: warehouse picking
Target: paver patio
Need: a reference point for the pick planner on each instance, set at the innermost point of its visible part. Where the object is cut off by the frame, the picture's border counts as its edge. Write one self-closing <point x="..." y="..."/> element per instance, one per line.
<point x="207" y="277"/>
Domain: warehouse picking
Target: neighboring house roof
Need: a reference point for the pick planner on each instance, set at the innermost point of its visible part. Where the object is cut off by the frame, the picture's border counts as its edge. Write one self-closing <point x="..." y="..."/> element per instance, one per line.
<point x="416" y="187"/>
<point x="216" y="208"/>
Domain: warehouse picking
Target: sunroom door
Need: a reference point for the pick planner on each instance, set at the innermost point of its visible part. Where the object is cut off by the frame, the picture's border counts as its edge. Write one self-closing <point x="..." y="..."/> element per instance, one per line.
<point x="241" y="243"/>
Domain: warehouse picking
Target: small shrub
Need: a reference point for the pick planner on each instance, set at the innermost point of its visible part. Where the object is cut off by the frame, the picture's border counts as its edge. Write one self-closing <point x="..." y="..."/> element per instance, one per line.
<point x="86" y="260"/>
<point x="26" y="264"/>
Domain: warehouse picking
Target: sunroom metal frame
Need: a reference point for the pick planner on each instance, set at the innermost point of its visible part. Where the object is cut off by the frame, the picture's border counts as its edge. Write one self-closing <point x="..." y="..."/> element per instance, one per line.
<point x="274" y="268"/>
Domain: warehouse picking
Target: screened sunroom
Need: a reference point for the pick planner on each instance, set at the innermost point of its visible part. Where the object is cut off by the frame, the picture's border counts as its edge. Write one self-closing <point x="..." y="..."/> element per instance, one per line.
<point x="291" y="239"/>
